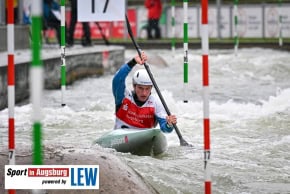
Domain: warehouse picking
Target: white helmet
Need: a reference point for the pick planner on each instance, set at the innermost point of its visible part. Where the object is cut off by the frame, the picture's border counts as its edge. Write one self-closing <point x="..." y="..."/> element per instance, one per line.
<point x="141" y="77"/>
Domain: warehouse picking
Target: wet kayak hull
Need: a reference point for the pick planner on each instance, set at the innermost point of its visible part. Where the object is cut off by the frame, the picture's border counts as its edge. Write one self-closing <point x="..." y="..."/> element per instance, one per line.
<point x="139" y="142"/>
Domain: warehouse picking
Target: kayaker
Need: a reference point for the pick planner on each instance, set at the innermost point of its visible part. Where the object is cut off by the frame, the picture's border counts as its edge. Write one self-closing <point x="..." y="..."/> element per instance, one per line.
<point x="138" y="109"/>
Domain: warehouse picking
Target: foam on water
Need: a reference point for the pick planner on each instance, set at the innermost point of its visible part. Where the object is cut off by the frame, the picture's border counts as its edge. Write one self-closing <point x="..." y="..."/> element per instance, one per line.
<point x="249" y="120"/>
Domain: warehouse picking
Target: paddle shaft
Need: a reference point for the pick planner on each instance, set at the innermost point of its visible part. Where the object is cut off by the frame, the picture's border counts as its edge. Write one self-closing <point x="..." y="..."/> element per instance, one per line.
<point x="182" y="141"/>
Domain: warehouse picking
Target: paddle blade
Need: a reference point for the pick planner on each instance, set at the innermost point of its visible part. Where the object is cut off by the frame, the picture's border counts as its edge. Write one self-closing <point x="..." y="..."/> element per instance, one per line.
<point x="185" y="143"/>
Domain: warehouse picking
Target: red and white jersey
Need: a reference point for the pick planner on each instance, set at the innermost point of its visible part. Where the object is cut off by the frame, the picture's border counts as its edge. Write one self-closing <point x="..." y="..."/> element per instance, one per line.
<point x="132" y="116"/>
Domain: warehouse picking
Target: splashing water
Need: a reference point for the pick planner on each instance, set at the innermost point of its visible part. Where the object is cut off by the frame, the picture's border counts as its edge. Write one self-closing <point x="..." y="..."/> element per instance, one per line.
<point x="249" y="113"/>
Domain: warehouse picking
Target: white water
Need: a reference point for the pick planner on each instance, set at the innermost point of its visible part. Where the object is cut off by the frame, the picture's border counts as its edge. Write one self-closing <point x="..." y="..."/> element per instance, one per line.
<point x="249" y="112"/>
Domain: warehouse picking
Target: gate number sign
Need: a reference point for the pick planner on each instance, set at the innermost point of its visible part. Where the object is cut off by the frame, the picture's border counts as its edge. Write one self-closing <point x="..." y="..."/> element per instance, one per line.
<point x="101" y="10"/>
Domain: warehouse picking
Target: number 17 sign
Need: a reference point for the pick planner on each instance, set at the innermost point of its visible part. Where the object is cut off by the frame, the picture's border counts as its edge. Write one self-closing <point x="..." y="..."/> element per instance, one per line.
<point x="101" y="10"/>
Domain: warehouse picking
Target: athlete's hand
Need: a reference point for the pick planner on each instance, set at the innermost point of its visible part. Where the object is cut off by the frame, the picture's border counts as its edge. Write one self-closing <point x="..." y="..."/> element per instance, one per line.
<point x="171" y="119"/>
<point x="143" y="58"/>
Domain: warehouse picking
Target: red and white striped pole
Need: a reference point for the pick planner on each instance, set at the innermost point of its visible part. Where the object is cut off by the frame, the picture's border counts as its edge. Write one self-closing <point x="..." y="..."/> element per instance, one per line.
<point x="11" y="84"/>
<point x="11" y="81"/>
<point x="205" y="77"/>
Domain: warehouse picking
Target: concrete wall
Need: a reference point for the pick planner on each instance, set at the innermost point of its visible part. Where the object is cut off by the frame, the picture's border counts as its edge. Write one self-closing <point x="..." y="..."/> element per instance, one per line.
<point x="21" y="37"/>
<point x="80" y="62"/>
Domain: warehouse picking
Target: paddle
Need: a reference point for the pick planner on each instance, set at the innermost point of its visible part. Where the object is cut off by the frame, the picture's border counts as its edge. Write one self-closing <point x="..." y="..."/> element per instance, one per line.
<point x="182" y="141"/>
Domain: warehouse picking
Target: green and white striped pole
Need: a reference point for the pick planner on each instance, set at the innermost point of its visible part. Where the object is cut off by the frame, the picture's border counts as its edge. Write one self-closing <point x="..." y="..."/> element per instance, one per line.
<point x="236" y="38"/>
<point x="62" y="47"/>
<point x="185" y="49"/>
<point x="173" y="27"/>
<point x="280" y="24"/>
<point x="36" y="81"/>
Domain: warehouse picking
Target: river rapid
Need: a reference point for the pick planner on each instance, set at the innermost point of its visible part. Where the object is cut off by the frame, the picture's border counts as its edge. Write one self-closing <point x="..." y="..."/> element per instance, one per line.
<point x="249" y="121"/>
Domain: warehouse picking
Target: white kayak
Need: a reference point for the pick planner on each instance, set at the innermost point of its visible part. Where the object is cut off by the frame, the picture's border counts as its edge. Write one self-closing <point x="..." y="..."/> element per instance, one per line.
<point x="145" y="142"/>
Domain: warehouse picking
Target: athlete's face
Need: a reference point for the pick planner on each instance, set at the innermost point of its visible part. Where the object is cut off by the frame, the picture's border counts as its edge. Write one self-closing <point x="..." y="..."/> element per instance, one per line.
<point x="142" y="92"/>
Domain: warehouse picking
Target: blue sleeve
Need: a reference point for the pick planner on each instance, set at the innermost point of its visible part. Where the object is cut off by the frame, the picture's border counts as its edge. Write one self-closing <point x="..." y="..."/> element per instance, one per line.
<point x="119" y="83"/>
<point x="163" y="125"/>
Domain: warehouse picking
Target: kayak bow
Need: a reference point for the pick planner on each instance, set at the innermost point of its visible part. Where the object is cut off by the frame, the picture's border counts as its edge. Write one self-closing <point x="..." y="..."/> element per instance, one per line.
<point x="146" y="142"/>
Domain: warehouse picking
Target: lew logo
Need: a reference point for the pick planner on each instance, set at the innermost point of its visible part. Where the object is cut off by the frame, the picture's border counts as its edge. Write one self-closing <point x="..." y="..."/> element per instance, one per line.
<point x="52" y="176"/>
<point x="84" y="176"/>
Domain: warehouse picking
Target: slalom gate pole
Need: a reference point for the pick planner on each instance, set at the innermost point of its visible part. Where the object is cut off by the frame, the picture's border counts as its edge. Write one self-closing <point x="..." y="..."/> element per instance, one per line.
<point x="62" y="47"/>
<point x="280" y="24"/>
<point x="205" y="73"/>
<point x="185" y="49"/>
<point x="11" y="85"/>
<point x="236" y="37"/>
<point x="173" y="27"/>
<point x="36" y="80"/>
<point x="11" y="81"/>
